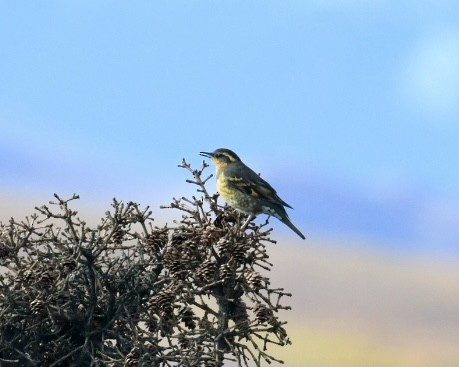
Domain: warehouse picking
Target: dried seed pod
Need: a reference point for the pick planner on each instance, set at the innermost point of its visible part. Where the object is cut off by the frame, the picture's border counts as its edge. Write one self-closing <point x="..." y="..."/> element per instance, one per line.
<point x="226" y="272"/>
<point x="165" y="299"/>
<point x="166" y="325"/>
<point x="118" y="236"/>
<point x="152" y="325"/>
<point x="157" y="239"/>
<point x="207" y="271"/>
<point x="262" y="313"/>
<point x="239" y="252"/>
<point x="211" y="234"/>
<point x="36" y="306"/>
<point x="224" y="245"/>
<point x="172" y="261"/>
<point x="187" y="315"/>
<point x="228" y="216"/>
<point x="254" y="280"/>
<point x="162" y="302"/>
<point x="132" y="358"/>
<point x="178" y="238"/>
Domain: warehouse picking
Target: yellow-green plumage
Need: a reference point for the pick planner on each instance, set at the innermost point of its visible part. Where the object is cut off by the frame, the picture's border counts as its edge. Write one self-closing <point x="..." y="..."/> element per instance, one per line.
<point x="246" y="191"/>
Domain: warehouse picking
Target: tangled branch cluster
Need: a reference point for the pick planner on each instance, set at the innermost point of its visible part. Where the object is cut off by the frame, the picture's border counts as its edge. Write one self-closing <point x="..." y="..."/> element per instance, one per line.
<point x="126" y="293"/>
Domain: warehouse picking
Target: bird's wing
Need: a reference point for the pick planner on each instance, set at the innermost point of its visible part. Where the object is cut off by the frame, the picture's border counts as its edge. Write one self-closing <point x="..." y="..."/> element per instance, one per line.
<point x="253" y="185"/>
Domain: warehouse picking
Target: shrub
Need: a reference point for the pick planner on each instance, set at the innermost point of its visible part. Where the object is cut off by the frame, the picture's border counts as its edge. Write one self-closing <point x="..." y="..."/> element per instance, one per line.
<point x="128" y="293"/>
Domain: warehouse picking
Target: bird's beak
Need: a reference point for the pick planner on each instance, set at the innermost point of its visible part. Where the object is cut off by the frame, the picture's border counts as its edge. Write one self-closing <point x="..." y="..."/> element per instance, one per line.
<point x="205" y="154"/>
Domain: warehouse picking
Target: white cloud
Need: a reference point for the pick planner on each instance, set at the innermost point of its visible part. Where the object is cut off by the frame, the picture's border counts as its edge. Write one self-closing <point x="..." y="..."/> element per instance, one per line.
<point x="430" y="77"/>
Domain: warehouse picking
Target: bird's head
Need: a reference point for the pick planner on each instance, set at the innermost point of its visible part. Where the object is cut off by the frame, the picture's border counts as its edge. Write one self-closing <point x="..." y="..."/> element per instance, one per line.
<point x="222" y="157"/>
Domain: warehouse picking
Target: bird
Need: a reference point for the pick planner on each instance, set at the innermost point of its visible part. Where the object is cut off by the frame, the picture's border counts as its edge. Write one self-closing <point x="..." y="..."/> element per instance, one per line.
<point x="246" y="191"/>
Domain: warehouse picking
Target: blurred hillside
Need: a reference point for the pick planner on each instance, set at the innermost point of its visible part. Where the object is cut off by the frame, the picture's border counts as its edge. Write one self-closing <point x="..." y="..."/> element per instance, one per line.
<point x="357" y="306"/>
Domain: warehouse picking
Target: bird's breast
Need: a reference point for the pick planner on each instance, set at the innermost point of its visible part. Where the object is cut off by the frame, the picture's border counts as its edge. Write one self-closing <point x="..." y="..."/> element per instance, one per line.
<point x="236" y="198"/>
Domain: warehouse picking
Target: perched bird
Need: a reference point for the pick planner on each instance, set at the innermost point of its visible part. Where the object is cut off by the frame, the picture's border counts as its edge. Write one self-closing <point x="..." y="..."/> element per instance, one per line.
<point x="246" y="191"/>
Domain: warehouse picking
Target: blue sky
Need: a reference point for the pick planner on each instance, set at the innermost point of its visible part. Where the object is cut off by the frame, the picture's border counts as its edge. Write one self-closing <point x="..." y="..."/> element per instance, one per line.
<point x="349" y="108"/>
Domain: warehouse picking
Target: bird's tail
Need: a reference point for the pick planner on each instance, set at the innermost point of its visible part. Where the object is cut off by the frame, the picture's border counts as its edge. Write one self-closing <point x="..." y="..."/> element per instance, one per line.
<point x="287" y="221"/>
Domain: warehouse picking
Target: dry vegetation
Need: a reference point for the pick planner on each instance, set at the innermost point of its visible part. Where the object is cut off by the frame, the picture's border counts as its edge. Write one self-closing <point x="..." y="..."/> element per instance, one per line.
<point x="127" y="293"/>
